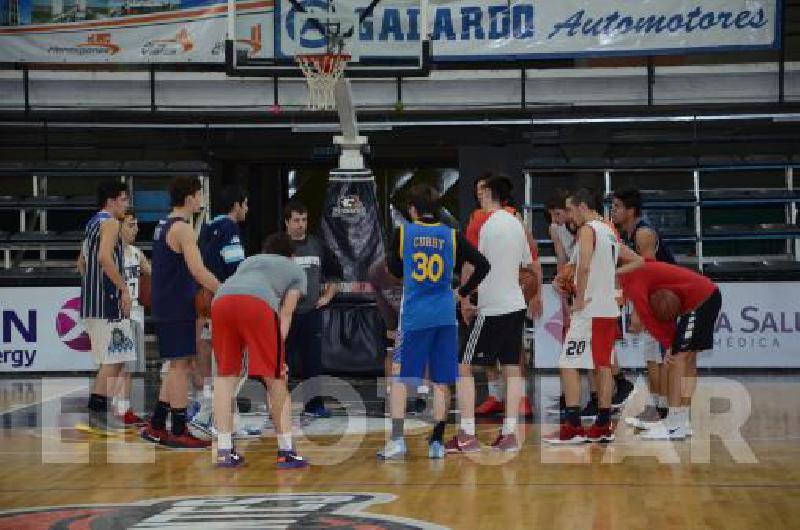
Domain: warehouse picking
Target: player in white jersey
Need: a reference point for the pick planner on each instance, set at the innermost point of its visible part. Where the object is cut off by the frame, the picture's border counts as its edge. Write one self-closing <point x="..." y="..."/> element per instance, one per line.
<point x="593" y="330"/>
<point x="135" y="264"/>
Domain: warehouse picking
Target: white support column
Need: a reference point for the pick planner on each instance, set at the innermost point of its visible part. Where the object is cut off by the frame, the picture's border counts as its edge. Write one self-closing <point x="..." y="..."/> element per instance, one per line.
<point x="607" y="179"/>
<point x="232" y="21"/>
<point x="698" y="219"/>
<point x="527" y="213"/>
<point x="43" y="218"/>
<point x="795" y="244"/>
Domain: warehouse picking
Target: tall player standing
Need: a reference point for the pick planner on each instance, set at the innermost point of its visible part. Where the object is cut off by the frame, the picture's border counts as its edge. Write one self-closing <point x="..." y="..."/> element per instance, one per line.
<point x="425" y="253"/>
<point x="104" y="299"/>
<point x="495" y="334"/>
<point x="177" y="265"/>
<point x="642" y="237"/>
<point x="594" y="328"/>
<point x="136" y="264"/>
<point x="222" y="251"/>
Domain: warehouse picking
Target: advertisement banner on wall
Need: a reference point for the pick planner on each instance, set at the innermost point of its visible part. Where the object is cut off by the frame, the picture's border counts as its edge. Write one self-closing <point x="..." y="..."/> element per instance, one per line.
<point x="758" y="327"/>
<point x="473" y="30"/>
<point x="42" y="330"/>
<point x="132" y="31"/>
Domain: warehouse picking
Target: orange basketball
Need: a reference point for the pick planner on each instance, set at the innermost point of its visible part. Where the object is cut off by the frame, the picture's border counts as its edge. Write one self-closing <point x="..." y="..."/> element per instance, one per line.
<point x="665" y="305"/>
<point x="565" y="279"/>
<point x="144" y="290"/>
<point x="528" y="283"/>
<point x="202" y="302"/>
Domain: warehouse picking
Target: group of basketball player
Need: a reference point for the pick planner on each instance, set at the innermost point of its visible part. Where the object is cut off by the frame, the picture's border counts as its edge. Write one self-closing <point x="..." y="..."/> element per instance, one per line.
<point x="255" y="299"/>
<point x="600" y="274"/>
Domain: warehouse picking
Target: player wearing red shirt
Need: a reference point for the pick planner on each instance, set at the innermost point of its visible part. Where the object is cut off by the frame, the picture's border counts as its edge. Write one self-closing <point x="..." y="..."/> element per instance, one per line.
<point x="701" y="302"/>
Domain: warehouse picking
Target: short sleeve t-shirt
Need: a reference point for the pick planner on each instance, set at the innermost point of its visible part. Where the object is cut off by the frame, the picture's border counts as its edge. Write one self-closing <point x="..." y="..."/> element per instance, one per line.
<point x="265" y="276"/>
<point x="505" y="245"/>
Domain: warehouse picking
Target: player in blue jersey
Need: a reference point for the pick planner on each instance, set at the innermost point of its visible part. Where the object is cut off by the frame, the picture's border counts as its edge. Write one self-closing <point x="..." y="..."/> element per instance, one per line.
<point x="222" y="251"/>
<point x="425" y="253"/>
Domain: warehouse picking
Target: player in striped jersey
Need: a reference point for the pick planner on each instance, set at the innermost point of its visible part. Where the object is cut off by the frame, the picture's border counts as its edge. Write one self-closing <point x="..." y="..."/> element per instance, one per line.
<point x="104" y="297"/>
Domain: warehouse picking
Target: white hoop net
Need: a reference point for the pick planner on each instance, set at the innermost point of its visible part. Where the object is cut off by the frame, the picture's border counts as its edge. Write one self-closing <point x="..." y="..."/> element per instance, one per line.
<point x="322" y="71"/>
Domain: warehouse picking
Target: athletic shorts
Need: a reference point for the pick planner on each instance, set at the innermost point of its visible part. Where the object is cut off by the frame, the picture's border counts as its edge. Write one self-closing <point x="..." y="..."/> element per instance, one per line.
<point x="177" y="340"/>
<point x="651" y="349"/>
<point x="493" y="339"/>
<point x="589" y="343"/>
<point x="695" y="330"/>
<point x="112" y="340"/>
<point x="243" y="322"/>
<point x="432" y="349"/>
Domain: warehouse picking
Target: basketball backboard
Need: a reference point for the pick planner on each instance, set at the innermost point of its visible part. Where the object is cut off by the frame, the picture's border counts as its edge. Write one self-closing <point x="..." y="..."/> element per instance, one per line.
<point x="383" y="37"/>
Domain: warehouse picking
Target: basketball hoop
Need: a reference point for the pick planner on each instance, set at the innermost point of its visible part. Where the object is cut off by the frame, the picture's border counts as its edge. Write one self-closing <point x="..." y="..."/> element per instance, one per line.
<point x="322" y="71"/>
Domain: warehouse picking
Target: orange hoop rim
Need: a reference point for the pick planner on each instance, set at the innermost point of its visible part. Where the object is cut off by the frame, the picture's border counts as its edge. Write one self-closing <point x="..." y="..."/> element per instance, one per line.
<point x="325" y="62"/>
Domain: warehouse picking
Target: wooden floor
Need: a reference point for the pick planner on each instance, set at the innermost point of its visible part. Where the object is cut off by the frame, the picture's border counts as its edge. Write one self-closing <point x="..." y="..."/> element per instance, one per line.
<point x="589" y="487"/>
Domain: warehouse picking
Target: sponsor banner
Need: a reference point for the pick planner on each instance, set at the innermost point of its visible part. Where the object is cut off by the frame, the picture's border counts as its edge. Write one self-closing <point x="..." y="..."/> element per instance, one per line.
<point x="285" y="510"/>
<point x="42" y="330"/>
<point x="148" y="31"/>
<point x="461" y="30"/>
<point x="352" y="229"/>
<point x="468" y="30"/>
<point x="758" y="327"/>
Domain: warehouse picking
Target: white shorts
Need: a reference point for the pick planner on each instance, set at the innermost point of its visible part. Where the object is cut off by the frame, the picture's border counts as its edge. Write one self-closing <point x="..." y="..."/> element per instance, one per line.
<point x="576" y="352"/>
<point x="113" y="341"/>
<point x="651" y="349"/>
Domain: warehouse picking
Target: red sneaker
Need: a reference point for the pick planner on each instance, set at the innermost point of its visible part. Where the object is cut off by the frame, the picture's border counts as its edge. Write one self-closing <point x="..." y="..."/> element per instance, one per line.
<point x="156" y="436"/>
<point x="567" y="434"/>
<point x="129" y="418"/>
<point x="186" y="441"/>
<point x="601" y="433"/>
<point x="463" y="443"/>
<point x="525" y="408"/>
<point x="506" y="442"/>
<point x="490" y="406"/>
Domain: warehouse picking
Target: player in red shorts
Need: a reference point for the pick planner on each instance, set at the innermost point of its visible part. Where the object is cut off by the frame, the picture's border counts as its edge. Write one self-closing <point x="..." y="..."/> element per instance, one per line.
<point x="701" y="302"/>
<point x="252" y="311"/>
<point x="594" y="328"/>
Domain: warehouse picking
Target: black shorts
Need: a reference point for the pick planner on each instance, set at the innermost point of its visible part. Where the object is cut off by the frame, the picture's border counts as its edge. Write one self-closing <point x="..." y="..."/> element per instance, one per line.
<point x="494" y="339"/>
<point x="696" y="328"/>
<point x="176" y="340"/>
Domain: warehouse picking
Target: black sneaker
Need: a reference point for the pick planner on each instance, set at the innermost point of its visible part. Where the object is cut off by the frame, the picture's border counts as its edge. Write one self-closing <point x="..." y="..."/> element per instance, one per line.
<point x="622" y="392"/>
<point x="663" y="412"/>
<point x="589" y="412"/>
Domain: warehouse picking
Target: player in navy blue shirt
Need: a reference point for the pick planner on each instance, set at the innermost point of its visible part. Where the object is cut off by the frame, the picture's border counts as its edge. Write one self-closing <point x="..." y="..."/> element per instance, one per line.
<point x="222" y="251"/>
<point x="177" y="269"/>
<point x="425" y="253"/>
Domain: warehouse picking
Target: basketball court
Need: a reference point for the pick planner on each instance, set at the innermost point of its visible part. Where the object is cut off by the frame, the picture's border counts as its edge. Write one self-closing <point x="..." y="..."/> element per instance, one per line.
<point x="55" y="475"/>
<point x="344" y="105"/>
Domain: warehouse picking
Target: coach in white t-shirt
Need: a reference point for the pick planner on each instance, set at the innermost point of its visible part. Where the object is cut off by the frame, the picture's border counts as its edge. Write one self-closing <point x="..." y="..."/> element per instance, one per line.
<point x="495" y="334"/>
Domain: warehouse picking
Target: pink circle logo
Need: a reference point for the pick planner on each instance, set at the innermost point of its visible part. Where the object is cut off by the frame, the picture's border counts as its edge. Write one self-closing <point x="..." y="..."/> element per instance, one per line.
<point x="69" y="327"/>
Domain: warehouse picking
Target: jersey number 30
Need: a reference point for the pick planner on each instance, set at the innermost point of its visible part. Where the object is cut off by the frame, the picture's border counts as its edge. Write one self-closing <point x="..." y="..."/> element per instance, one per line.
<point x="427" y="267"/>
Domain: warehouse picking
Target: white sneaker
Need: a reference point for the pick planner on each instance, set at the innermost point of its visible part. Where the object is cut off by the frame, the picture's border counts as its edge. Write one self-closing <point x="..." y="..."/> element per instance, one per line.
<point x="665" y="432"/>
<point x="634" y="422"/>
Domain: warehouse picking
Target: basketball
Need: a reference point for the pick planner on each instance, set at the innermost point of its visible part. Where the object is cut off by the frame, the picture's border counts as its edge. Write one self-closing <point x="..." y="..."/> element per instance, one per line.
<point x="565" y="279"/>
<point x="528" y="283"/>
<point x="202" y="302"/>
<point x="665" y="304"/>
<point x="144" y="290"/>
